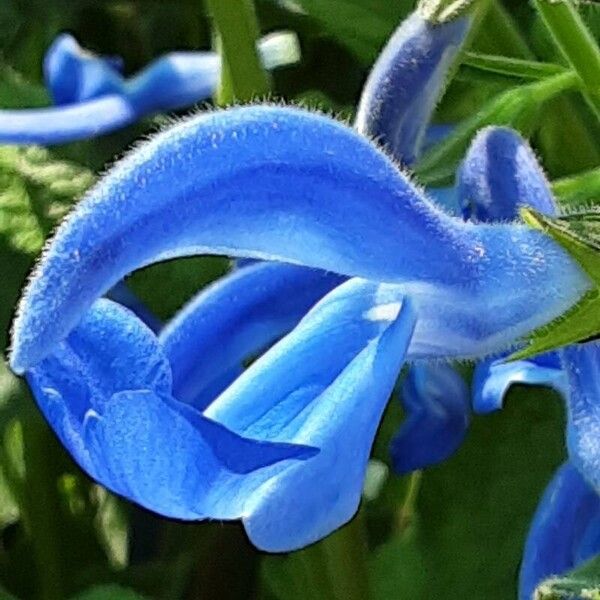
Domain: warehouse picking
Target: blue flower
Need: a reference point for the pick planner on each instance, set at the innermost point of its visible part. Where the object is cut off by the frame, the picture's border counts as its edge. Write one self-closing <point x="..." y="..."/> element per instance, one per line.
<point x="436" y="402"/>
<point x="171" y="422"/>
<point x="93" y="98"/>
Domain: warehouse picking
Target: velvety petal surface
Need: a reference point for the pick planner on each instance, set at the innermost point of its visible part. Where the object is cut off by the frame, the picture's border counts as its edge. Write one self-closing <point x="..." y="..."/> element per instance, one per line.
<point x="325" y="384"/>
<point x="493" y="378"/>
<point x="499" y="174"/>
<point x="436" y="405"/>
<point x="235" y="318"/>
<point x="581" y="363"/>
<point x="314" y="193"/>
<point x="566" y="518"/>
<point x="406" y="81"/>
<point x="109" y="351"/>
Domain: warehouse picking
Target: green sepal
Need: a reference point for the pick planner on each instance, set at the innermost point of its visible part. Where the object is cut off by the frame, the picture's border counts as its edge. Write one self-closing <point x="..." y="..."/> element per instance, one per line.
<point x="582" y="582"/>
<point x="579" y="234"/>
<point x="442" y="11"/>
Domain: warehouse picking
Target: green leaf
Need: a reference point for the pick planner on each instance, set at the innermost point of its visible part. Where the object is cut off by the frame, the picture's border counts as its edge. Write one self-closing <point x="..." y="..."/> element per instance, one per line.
<point x="517" y="107"/>
<point x="576" y="43"/>
<point x="108" y="592"/>
<point x="582" y="582"/>
<point x="579" y="234"/>
<point x="17" y="92"/>
<point x="35" y="192"/>
<point x="243" y="77"/>
<point x="582" y="188"/>
<point x="511" y="67"/>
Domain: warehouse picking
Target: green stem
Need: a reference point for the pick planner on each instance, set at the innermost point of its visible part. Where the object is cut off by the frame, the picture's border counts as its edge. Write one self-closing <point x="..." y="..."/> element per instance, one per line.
<point x="41" y="508"/>
<point x="576" y="43"/>
<point x="242" y="76"/>
<point x="543" y="90"/>
<point x="407" y="512"/>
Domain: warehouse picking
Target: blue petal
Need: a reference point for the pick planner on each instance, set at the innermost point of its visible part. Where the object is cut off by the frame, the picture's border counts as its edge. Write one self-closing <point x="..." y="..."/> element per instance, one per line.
<point x="106" y="392"/>
<point x="566" y="518"/>
<point x="109" y="351"/>
<point x="326" y="384"/>
<point x="238" y="316"/>
<point x="499" y="174"/>
<point x="314" y="193"/>
<point x="582" y="366"/>
<point x="61" y="124"/>
<point x="406" y="81"/>
<point x="74" y="75"/>
<point x="493" y="378"/>
<point x="436" y="403"/>
<point x="169" y="458"/>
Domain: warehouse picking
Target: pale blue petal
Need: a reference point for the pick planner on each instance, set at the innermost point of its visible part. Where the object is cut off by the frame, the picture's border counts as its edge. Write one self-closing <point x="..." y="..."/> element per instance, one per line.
<point x="581" y="363"/>
<point x="106" y="392"/>
<point x="493" y="378"/>
<point x="499" y="174"/>
<point x="436" y="404"/>
<point x="564" y="530"/>
<point x="406" y="81"/>
<point x="235" y="318"/>
<point x="325" y="384"/>
<point x="167" y="457"/>
<point x="314" y="193"/>
<point x="109" y="351"/>
<point x="61" y="124"/>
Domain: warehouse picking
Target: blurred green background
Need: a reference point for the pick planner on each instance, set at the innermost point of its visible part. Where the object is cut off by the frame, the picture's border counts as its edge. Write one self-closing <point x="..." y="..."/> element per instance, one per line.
<point x="455" y="532"/>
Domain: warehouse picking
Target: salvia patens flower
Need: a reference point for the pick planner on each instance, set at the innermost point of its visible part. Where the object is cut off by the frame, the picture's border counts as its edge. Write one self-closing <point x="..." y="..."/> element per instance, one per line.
<point x="170" y="421"/>
<point x="317" y="194"/>
<point x="93" y="97"/>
